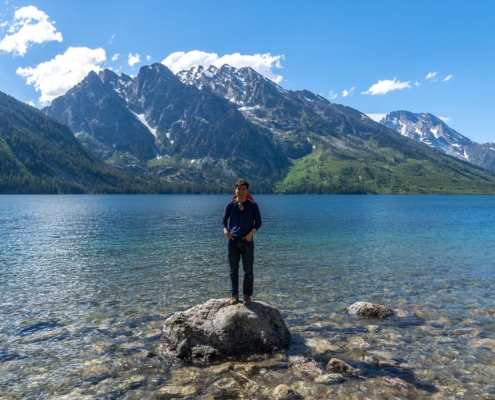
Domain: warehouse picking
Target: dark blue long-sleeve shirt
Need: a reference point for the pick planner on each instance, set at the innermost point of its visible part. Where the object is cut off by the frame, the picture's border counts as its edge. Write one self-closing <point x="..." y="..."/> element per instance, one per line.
<point x="240" y="222"/>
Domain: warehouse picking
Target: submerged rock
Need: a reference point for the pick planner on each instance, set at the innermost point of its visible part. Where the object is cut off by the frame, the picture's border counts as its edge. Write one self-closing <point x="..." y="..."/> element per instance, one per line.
<point x="381" y="358"/>
<point x="370" y="359"/>
<point x="337" y="365"/>
<point x="307" y="369"/>
<point x="397" y="383"/>
<point x="367" y="309"/>
<point x="330" y="379"/>
<point x="217" y="328"/>
<point x="286" y="393"/>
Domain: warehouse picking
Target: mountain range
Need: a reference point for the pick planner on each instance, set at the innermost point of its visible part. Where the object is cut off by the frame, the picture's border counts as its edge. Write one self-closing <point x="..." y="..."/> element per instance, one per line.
<point x="432" y="131"/>
<point x="155" y="117"/>
<point x="210" y="126"/>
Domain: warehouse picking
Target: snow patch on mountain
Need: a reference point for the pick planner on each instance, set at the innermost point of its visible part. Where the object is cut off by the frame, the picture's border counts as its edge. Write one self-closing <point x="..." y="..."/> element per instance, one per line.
<point x="141" y="118"/>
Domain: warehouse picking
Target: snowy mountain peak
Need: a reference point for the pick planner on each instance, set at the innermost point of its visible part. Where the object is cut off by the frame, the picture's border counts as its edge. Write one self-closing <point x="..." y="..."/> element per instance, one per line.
<point x="189" y="76"/>
<point x="429" y="129"/>
<point x="242" y="86"/>
<point x="120" y="83"/>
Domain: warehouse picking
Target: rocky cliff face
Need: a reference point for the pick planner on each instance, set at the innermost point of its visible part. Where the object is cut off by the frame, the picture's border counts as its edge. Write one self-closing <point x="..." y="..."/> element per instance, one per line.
<point x="155" y="115"/>
<point x="432" y="131"/>
<point x="297" y="120"/>
<point x="100" y="118"/>
<point x="482" y="155"/>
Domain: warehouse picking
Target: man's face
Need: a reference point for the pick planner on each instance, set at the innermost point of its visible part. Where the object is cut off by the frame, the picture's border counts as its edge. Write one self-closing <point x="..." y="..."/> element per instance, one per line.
<point x="241" y="192"/>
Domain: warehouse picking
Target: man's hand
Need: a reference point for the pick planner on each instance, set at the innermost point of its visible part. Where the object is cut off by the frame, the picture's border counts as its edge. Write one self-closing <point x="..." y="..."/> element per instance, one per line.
<point x="250" y="235"/>
<point x="227" y="234"/>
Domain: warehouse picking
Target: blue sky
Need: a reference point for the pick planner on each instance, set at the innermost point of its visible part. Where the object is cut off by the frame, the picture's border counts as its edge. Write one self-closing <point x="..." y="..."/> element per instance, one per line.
<point x="375" y="56"/>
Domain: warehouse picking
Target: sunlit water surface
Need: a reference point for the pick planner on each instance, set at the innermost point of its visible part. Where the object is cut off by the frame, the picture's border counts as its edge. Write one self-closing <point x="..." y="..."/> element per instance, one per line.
<point x="87" y="281"/>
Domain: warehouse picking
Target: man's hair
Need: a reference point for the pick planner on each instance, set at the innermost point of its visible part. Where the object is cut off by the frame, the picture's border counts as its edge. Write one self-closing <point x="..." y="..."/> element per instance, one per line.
<point x="241" y="182"/>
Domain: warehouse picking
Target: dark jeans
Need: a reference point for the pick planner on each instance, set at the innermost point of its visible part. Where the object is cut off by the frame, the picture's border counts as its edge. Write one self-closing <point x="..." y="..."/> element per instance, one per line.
<point x="235" y="251"/>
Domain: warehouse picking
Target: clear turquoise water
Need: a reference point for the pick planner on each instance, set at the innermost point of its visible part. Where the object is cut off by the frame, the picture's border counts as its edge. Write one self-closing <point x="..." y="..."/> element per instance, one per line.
<point x="88" y="280"/>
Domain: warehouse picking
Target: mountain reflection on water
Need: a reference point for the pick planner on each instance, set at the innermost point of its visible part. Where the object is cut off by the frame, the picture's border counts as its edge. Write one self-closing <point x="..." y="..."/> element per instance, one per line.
<point x="87" y="281"/>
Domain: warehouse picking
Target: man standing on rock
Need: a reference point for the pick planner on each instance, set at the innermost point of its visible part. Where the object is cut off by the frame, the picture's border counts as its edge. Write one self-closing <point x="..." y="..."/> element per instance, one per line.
<point x="241" y="219"/>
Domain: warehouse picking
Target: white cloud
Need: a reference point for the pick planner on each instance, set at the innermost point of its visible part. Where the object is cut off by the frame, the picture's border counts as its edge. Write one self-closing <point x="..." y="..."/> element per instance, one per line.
<point x="115" y="57"/>
<point x="386" y="86"/>
<point x="448" y="78"/>
<point x="111" y="38"/>
<point x="134" y="59"/>
<point x="431" y="75"/>
<point x="262" y="63"/>
<point x="445" y="119"/>
<point x="417" y="83"/>
<point x="55" y="77"/>
<point x="349" y="92"/>
<point x="376" y="116"/>
<point x="30" y="25"/>
<point x="332" y="95"/>
<point x="148" y="58"/>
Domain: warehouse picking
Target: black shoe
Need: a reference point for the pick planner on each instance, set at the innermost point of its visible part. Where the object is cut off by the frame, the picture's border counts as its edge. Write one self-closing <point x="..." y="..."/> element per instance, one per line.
<point x="247" y="300"/>
<point x="234" y="299"/>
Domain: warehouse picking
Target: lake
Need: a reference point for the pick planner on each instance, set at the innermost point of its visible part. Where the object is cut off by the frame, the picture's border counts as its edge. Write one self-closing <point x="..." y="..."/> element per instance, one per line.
<point x="87" y="281"/>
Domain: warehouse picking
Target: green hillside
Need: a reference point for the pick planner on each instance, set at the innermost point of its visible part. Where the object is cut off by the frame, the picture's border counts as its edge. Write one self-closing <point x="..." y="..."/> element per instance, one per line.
<point x="41" y="155"/>
<point x="384" y="170"/>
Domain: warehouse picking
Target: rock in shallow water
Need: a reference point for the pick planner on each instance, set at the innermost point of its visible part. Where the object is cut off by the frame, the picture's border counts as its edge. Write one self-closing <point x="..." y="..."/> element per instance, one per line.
<point x="367" y="309"/>
<point x="286" y="393"/>
<point x="217" y="328"/>
<point x="337" y="365"/>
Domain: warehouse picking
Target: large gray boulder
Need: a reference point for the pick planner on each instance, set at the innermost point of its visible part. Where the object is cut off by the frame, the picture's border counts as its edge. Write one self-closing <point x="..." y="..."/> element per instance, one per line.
<point x="217" y="328"/>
